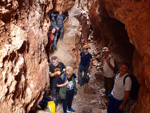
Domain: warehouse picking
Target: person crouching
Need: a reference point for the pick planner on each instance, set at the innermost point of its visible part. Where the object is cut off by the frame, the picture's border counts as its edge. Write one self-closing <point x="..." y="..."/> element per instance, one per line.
<point x="67" y="85"/>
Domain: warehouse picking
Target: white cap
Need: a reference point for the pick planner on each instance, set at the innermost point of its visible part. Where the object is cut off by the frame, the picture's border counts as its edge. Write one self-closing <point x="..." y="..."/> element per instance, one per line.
<point x="105" y="49"/>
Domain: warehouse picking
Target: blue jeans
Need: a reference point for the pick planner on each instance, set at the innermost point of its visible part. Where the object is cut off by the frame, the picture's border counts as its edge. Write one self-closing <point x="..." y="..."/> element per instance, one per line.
<point x="80" y="76"/>
<point x="61" y="31"/>
<point x="55" y="39"/>
<point x="113" y="106"/>
<point x="67" y="103"/>
<point x="55" y="96"/>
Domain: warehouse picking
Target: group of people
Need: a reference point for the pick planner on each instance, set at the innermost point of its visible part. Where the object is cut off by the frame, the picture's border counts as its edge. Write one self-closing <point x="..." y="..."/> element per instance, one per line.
<point x="117" y="85"/>
<point x="63" y="83"/>
<point x="62" y="79"/>
<point x="56" y="29"/>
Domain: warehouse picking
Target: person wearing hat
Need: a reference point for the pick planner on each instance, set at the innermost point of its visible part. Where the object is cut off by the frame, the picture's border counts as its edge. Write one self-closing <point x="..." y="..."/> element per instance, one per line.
<point x="60" y="19"/>
<point x="55" y="69"/>
<point x="85" y="64"/>
<point x="121" y="90"/>
<point x="108" y="67"/>
<point x="54" y="26"/>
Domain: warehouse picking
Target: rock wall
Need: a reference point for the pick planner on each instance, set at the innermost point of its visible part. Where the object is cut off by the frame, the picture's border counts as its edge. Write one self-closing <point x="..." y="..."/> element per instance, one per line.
<point x="118" y="24"/>
<point x="23" y="64"/>
<point x="63" y="4"/>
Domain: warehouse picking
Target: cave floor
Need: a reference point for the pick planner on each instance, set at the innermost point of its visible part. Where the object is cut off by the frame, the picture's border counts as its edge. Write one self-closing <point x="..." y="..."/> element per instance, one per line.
<point x="90" y="96"/>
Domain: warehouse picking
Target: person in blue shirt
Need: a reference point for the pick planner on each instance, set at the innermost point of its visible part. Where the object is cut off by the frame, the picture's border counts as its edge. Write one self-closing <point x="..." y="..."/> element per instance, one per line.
<point x="85" y="64"/>
<point x="60" y="20"/>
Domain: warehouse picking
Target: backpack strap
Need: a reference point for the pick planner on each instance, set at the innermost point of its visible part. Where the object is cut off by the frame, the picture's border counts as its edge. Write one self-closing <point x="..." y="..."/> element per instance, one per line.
<point x="117" y="72"/>
<point x="125" y="79"/>
<point x="63" y="77"/>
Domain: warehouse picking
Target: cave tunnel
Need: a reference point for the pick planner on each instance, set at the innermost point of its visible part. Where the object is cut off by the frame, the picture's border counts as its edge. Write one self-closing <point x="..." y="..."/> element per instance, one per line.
<point x="25" y="74"/>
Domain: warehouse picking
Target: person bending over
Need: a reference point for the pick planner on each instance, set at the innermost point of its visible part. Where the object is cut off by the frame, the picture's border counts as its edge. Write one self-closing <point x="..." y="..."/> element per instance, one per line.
<point x="67" y="85"/>
<point x="55" y="69"/>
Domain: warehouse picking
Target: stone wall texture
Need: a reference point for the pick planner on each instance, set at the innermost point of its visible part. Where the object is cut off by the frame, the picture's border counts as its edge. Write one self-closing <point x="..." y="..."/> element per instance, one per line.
<point x="23" y="62"/>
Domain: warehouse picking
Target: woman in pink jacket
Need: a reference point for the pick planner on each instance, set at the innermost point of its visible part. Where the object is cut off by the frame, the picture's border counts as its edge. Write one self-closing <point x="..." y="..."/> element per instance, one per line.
<point x="50" y="40"/>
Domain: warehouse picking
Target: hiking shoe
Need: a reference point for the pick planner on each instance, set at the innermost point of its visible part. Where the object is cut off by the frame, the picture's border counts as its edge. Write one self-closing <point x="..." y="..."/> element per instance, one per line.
<point x="55" y="48"/>
<point x="71" y="110"/>
<point x="61" y="40"/>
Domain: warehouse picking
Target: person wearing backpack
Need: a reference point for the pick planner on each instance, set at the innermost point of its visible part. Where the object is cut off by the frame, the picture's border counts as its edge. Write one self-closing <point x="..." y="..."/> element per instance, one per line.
<point x="108" y="70"/>
<point x="121" y="91"/>
<point x="67" y="89"/>
<point x="55" y="69"/>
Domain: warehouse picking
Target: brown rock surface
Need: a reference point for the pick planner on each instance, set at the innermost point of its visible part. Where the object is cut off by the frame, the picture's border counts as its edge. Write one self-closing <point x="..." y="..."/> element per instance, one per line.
<point x="64" y="4"/>
<point x="115" y="24"/>
<point x="136" y="15"/>
<point x="23" y="64"/>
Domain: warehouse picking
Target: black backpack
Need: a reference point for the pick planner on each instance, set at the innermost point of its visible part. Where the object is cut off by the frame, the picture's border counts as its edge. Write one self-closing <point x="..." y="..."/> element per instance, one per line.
<point x="85" y="80"/>
<point x="44" y="101"/>
<point x="135" y="86"/>
<point x="116" y="69"/>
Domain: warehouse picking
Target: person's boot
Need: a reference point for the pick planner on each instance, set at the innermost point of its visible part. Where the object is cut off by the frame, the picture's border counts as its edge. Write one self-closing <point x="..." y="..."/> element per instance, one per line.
<point x="61" y="39"/>
<point x="55" y="48"/>
<point x="71" y="110"/>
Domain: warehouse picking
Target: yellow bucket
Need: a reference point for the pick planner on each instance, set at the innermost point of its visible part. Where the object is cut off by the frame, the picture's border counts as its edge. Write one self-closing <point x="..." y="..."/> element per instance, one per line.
<point x="52" y="107"/>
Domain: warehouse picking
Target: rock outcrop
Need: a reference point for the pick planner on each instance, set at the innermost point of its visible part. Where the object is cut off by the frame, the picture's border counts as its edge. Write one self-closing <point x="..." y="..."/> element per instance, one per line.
<point x="23" y="64"/>
<point x="64" y="5"/>
<point x="124" y="27"/>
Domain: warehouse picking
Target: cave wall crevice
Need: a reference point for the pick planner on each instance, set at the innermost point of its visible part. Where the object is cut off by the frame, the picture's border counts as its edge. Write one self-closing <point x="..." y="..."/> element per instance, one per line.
<point x="124" y="27"/>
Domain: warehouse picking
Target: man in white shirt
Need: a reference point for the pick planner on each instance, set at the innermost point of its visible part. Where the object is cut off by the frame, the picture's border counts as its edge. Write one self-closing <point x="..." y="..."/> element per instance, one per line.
<point x="108" y="67"/>
<point x="121" y="91"/>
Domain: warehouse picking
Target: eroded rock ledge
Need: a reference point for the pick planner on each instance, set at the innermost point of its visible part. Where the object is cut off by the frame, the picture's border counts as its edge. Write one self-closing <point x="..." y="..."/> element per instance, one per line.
<point x="115" y="24"/>
<point x="23" y="63"/>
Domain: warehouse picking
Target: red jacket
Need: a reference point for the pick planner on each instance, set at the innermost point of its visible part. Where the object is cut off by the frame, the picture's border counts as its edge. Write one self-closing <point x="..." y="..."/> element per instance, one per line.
<point x="50" y="39"/>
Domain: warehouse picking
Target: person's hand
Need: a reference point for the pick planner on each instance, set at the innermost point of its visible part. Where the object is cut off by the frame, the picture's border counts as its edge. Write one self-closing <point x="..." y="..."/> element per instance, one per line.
<point x="64" y="70"/>
<point x="50" y="73"/>
<point x="66" y="83"/>
<point x="107" y="60"/>
<point x="58" y="73"/>
<point x="57" y="28"/>
<point x="90" y="68"/>
<point x="121" y="107"/>
<point x="102" y="59"/>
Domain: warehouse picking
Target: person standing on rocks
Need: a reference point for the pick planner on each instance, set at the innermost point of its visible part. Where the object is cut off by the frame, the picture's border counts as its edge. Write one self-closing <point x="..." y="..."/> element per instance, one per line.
<point x="108" y="67"/>
<point x="121" y="91"/>
<point x="55" y="69"/>
<point x="54" y="26"/>
<point x="85" y="64"/>
<point x="60" y="20"/>
<point x="50" y="40"/>
<point x="67" y="85"/>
